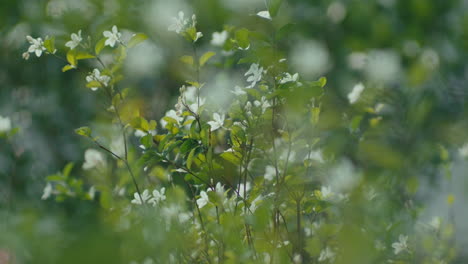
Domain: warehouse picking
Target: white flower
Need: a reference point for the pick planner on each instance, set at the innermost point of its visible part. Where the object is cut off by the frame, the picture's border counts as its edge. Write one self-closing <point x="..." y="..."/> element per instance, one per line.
<point x="158" y="196"/>
<point x="75" y="40"/>
<point x="264" y="14"/>
<point x="401" y="245"/>
<point x="179" y="23"/>
<point x="255" y="73"/>
<point x="218" y="121"/>
<point x="93" y="158"/>
<point x="241" y="189"/>
<point x="198" y="36"/>
<point x="112" y="37"/>
<point x="263" y="103"/>
<point x="326" y="254"/>
<point x="172" y="114"/>
<point x="219" y="38"/>
<point x="219" y="189"/>
<point x="203" y="200"/>
<point x="145" y="197"/>
<point x="435" y="223"/>
<point x="92" y="192"/>
<point x="270" y="173"/>
<point x="289" y="78"/>
<point x="238" y="91"/>
<point x="354" y="95"/>
<point x="326" y="192"/>
<point x="26" y="55"/>
<point x="463" y="151"/>
<point x="96" y="76"/>
<point x="37" y="46"/>
<point x="47" y="191"/>
<point x="5" y="124"/>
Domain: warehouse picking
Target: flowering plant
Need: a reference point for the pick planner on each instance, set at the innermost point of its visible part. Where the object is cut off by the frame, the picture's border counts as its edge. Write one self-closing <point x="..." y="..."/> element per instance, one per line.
<point x="255" y="180"/>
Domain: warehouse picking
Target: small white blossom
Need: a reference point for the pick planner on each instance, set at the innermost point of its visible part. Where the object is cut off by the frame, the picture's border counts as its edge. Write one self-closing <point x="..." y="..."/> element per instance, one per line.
<point x="219" y="189"/>
<point x="326" y="254"/>
<point x="37" y="45"/>
<point x="218" y="121"/>
<point x="463" y="151"/>
<point x="241" y="189"/>
<point x="145" y="197"/>
<point x="401" y="245"/>
<point x="96" y="76"/>
<point x="158" y="196"/>
<point x="47" y="191"/>
<point x="238" y="91"/>
<point x="255" y="72"/>
<point x="5" y="124"/>
<point x="25" y="55"/>
<point x="93" y="158"/>
<point x="435" y="223"/>
<point x="219" y="38"/>
<point x="354" y="95"/>
<point x="326" y="192"/>
<point x="179" y="23"/>
<point x="92" y="192"/>
<point x="203" y="200"/>
<point x="112" y="36"/>
<point x="264" y="14"/>
<point x="289" y="78"/>
<point x="264" y="104"/>
<point x="75" y="40"/>
<point x="270" y="173"/>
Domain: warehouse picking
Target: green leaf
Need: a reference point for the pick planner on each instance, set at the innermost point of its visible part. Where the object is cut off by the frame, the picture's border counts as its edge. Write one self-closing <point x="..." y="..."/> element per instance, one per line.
<point x="83" y="55"/>
<point x="190" y="157"/>
<point x="68" y="168"/>
<point x="93" y="84"/>
<point x="188" y="145"/>
<point x="140" y="123"/>
<point x="83" y="131"/>
<point x="71" y="57"/>
<point x="99" y="46"/>
<point x="136" y="39"/>
<point x="187" y="60"/>
<point x="274" y="6"/>
<point x="242" y="38"/>
<point x="285" y="30"/>
<point x="205" y="57"/>
<point x="49" y="44"/>
<point x="147" y="141"/>
<point x="229" y="156"/>
<point x="68" y="67"/>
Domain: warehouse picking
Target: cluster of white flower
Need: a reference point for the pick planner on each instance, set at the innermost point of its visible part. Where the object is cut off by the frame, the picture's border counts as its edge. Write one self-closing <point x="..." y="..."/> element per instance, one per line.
<point x="113" y="37"/>
<point x="401" y="245"/>
<point x="180" y="25"/>
<point x="146" y="198"/>
<point x="204" y="199"/>
<point x="95" y="75"/>
<point x="289" y="78"/>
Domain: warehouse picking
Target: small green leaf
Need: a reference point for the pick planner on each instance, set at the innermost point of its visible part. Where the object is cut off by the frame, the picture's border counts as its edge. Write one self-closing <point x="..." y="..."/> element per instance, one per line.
<point x="68" y="168"/>
<point x="83" y="131"/>
<point x="205" y="57"/>
<point x="147" y="141"/>
<point x="190" y="158"/>
<point x="71" y="57"/>
<point x="99" y="46"/>
<point x="242" y="38"/>
<point x="187" y="60"/>
<point x="140" y="123"/>
<point x="285" y="30"/>
<point x="93" y="84"/>
<point x="229" y="156"/>
<point x="83" y="55"/>
<point x="49" y="44"/>
<point x="68" y="67"/>
<point x="136" y="39"/>
<point x="274" y="6"/>
<point x="322" y="81"/>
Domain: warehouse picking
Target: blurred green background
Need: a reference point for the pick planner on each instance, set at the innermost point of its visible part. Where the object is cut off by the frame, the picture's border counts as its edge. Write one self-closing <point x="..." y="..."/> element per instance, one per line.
<point x="412" y="52"/>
